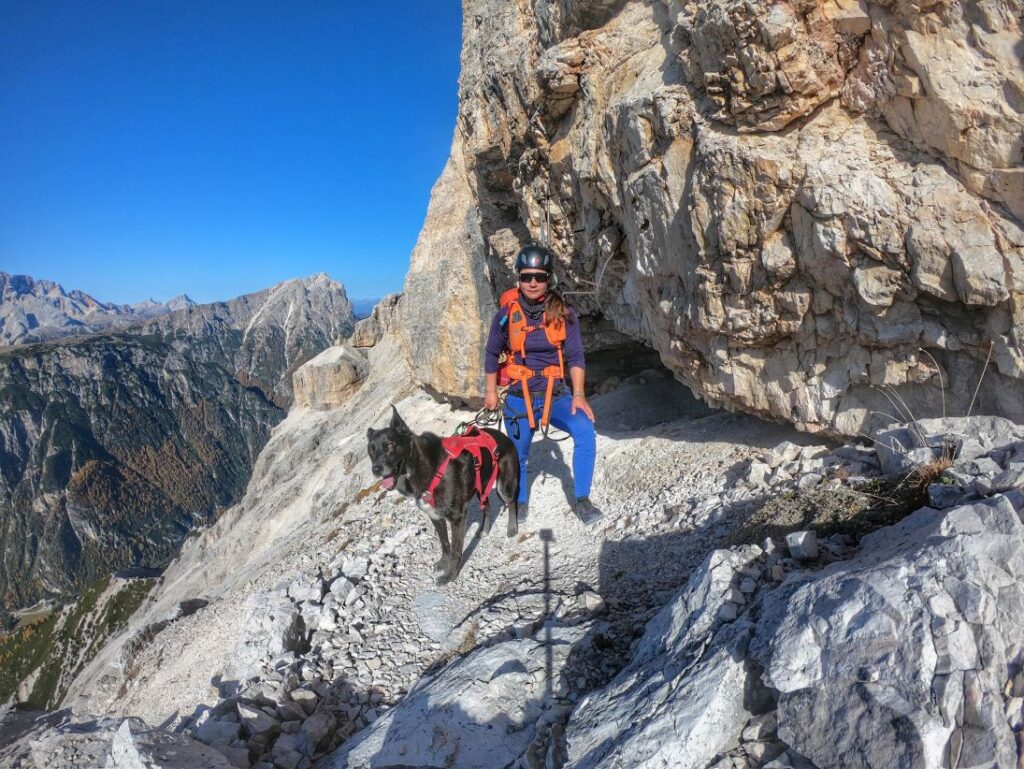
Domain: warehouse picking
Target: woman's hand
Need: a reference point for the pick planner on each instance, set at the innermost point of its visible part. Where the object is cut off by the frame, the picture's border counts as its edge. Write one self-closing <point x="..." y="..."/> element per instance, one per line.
<point x="580" y="402"/>
<point x="491" y="401"/>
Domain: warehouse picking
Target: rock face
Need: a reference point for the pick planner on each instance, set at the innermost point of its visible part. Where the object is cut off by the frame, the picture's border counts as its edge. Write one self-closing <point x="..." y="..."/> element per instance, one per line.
<point x="59" y="741"/>
<point x="447" y="294"/>
<point x="114" y="446"/>
<point x="35" y="310"/>
<point x="794" y="203"/>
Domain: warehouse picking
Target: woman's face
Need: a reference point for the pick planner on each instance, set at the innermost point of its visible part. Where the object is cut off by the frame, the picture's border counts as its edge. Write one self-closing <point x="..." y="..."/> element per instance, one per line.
<point x="532" y="289"/>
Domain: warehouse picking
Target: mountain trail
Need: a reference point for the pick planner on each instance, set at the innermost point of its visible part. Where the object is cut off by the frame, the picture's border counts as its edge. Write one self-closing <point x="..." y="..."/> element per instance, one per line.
<point x="661" y="454"/>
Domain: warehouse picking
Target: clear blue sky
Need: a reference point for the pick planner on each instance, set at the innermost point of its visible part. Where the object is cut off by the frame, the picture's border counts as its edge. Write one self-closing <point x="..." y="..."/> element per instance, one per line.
<point x="155" y="147"/>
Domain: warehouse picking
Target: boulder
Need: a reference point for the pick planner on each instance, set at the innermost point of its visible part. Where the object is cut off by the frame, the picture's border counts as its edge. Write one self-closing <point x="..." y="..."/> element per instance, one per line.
<point x="355" y="568"/>
<point x="368" y="331"/>
<point x="286" y="752"/>
<point x="273" y="626"/>
<point x="306" y="698"/>
<point x="213" y="730"/>
<point x="898" y="657"/>
<point x="591" y="601"/>
<point x="328" y="380"/>
<point x="478" y="712"/>
<point x="256" y="721"/>
<point x="803" y="545"/>
<point x="685" y="696"/>
<point x="315" y="733"/>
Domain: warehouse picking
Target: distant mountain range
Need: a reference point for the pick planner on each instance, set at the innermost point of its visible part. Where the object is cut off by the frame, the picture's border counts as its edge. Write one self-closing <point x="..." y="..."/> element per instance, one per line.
<point x="115" y="445"/>
<point x="34" y="310"/>
<point x="363" y="307"/>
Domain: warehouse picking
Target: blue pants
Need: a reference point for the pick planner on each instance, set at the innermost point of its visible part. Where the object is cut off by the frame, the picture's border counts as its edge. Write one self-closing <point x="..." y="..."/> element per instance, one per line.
<point x="578" y="425"/>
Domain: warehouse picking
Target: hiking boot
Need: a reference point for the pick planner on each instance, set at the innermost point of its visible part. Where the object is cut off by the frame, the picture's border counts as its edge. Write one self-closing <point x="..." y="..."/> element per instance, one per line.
<point x="586" y="511"/>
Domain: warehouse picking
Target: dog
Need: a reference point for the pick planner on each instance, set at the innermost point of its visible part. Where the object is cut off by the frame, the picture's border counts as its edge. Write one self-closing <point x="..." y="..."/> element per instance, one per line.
<point x="408" y="462"/>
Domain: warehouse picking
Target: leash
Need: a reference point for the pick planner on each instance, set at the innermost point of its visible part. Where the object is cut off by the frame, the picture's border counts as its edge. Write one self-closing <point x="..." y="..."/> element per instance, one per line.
<point x="483" y="418"/>
<point x="516" y="416"/>
<point x="493" y="418"/>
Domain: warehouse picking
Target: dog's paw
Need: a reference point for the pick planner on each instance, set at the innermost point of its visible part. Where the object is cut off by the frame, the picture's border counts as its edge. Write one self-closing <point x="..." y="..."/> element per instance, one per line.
<point x="442" y="565"/>
<point x="512" y="529"/>
<point x="442" y="579"/>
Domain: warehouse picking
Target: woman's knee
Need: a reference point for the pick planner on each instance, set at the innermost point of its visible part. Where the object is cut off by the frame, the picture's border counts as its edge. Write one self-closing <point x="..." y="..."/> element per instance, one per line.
<point x="582" y="430"/>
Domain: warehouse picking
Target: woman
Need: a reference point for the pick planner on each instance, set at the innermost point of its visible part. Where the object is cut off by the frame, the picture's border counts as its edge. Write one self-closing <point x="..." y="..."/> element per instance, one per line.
<point x="543" y="335"/>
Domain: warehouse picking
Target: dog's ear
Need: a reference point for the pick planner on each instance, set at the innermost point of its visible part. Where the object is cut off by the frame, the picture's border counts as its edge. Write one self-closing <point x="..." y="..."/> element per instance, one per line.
<point x="397" y="424"/>
<point x="370" y="432"/>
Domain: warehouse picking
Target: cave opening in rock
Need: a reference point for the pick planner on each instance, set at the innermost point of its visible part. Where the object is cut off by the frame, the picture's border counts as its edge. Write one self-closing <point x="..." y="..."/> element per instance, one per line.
<point x="631" y="387"/>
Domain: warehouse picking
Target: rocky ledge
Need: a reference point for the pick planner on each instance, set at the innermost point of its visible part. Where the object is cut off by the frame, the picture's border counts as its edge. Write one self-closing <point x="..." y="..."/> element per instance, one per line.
<point x="905" y="649"/>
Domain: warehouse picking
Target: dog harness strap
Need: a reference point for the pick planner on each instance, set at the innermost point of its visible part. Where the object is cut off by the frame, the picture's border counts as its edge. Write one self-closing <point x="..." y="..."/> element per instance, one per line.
<point x="475" y="442"/>
<point x="485" y="441"/>
<point x="428" y="495"/>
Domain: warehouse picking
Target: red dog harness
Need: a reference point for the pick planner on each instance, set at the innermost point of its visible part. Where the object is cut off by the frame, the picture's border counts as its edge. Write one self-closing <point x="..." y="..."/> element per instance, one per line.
<point x="476" y="442"/>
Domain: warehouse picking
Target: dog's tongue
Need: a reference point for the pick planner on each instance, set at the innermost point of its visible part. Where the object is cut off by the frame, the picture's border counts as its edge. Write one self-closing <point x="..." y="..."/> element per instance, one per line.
<point x="388" y="482"/>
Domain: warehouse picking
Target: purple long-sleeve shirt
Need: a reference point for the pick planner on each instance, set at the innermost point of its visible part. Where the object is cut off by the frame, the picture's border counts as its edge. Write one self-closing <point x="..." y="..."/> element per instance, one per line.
<point x="539" y="351"/>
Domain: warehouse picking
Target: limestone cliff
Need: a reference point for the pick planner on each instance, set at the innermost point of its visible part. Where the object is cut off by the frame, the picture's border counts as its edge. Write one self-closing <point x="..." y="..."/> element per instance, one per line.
<point x="810" y="210"/>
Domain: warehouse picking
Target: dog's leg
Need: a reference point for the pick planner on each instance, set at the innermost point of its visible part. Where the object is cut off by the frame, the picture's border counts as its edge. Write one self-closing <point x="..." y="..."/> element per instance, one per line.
<point x="485" y="512"/>
<point x="458" y="540"/>
<point x="444" y="562"/>
<point x="508" y="490"/>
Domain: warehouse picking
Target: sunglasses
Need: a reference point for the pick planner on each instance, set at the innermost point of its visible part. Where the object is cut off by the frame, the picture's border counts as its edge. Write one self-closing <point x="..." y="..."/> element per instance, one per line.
<point x="540" y="277"/>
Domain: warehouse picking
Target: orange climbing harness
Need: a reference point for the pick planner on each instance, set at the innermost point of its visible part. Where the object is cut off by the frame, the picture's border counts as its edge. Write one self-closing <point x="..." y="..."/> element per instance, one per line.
<point x="509" y="370"/>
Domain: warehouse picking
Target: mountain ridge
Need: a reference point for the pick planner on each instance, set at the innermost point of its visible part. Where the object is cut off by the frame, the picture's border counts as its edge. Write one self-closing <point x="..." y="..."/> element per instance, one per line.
<point x="115" y="445"/>
<point x="36" y="309"/>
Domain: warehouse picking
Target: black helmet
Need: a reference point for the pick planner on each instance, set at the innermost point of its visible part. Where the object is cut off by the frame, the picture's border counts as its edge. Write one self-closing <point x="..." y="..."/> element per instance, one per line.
<point x="534" y="257"/>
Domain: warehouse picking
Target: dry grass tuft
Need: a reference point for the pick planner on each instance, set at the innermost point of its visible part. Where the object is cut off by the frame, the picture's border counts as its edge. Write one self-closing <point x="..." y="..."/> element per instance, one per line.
<point x="364" y="493"/>
<point x="924" y="475"/>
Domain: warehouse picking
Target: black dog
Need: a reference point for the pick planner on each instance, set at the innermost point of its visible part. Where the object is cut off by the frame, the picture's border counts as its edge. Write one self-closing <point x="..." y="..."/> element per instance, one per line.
<point x="408" y="463"/>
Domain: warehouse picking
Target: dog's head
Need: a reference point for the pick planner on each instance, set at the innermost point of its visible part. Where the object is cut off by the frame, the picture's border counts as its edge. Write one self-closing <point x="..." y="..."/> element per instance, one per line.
<point x="389" y="449"/>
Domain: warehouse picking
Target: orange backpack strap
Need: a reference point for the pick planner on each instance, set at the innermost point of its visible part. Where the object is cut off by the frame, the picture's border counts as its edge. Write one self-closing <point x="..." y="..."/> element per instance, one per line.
<point x="517" y="328"/>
